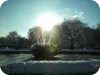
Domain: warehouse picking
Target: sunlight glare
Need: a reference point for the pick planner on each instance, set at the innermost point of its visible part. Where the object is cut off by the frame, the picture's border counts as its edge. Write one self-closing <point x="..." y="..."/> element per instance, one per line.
<point x="48" y="20"/>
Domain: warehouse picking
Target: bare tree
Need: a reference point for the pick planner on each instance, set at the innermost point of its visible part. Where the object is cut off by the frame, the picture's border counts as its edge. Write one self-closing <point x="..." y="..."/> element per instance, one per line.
<point x="72" y="34"/>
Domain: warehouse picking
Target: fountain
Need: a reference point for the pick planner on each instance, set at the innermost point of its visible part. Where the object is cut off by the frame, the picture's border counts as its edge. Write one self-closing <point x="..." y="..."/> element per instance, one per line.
<point x="43" y="49"/>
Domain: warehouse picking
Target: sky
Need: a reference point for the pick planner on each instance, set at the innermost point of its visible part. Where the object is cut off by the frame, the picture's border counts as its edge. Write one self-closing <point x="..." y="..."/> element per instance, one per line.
<point x="21" y="15"/>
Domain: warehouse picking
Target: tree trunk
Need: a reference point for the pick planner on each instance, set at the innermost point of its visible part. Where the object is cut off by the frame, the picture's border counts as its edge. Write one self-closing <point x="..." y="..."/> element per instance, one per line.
<point x="72" y="43"/>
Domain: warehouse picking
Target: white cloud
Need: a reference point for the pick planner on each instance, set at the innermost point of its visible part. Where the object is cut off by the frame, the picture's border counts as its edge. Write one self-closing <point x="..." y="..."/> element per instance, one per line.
<point x="69" y="13"/>
<point x="78" y="15"/>
<point x="75" y="16"/>
<point x="81" y="14"/>
<point x="73" y="13"/>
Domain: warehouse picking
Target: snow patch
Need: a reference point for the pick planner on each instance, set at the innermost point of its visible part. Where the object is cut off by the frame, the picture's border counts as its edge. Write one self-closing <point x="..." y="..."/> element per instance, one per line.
<point x="52" y="66"/>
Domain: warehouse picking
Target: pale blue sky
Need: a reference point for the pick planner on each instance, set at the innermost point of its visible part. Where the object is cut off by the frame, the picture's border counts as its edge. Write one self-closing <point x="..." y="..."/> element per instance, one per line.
<point x="20" y="15"/>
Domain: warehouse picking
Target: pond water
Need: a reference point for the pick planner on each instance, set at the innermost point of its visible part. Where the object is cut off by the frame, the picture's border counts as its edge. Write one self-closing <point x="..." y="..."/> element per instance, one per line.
<point x="15" y="58"/>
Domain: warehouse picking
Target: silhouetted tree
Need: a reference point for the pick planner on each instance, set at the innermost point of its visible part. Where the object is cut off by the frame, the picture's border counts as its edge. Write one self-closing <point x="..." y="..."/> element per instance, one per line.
<point x="72" y="28"/>
<point x="2" y="41"/>
<point x="12" y="38"/>
<point x="72" y="34"/>
<point x="23" y="42"/>
<point x="97" y="35"/>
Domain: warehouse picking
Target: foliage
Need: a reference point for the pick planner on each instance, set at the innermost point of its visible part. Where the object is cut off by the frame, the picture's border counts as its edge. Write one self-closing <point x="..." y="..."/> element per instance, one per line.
<point x="43" y="51"/>
<point x="14" y="40"/>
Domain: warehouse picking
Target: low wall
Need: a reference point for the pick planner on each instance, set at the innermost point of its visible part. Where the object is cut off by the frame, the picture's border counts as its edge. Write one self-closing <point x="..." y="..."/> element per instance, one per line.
<point x="64" y="67"/>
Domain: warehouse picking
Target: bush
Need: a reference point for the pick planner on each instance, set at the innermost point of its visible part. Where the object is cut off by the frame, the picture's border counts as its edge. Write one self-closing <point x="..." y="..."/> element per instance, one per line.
<point x="43" y="51"/>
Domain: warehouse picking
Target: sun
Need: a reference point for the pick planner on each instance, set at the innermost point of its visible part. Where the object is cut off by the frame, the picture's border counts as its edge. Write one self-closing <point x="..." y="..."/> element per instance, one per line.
<point x="48" y="20"/>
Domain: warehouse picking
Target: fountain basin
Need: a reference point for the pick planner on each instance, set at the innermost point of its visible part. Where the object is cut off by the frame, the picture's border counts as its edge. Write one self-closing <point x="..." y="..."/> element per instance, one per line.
<point x="48" y="67"/>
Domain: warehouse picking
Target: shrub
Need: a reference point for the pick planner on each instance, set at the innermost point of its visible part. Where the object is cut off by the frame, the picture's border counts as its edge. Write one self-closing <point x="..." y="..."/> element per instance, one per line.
<point x="43" y="51"/>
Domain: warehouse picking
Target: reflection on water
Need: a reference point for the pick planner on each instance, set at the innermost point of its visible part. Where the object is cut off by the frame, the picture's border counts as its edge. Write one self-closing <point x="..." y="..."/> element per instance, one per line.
<point x="75" y="57"/>
<point x="15" y="58"/>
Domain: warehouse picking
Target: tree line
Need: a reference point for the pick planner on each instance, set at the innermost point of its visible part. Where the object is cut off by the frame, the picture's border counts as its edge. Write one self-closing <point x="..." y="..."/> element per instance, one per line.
<point x="73" y="34"/>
